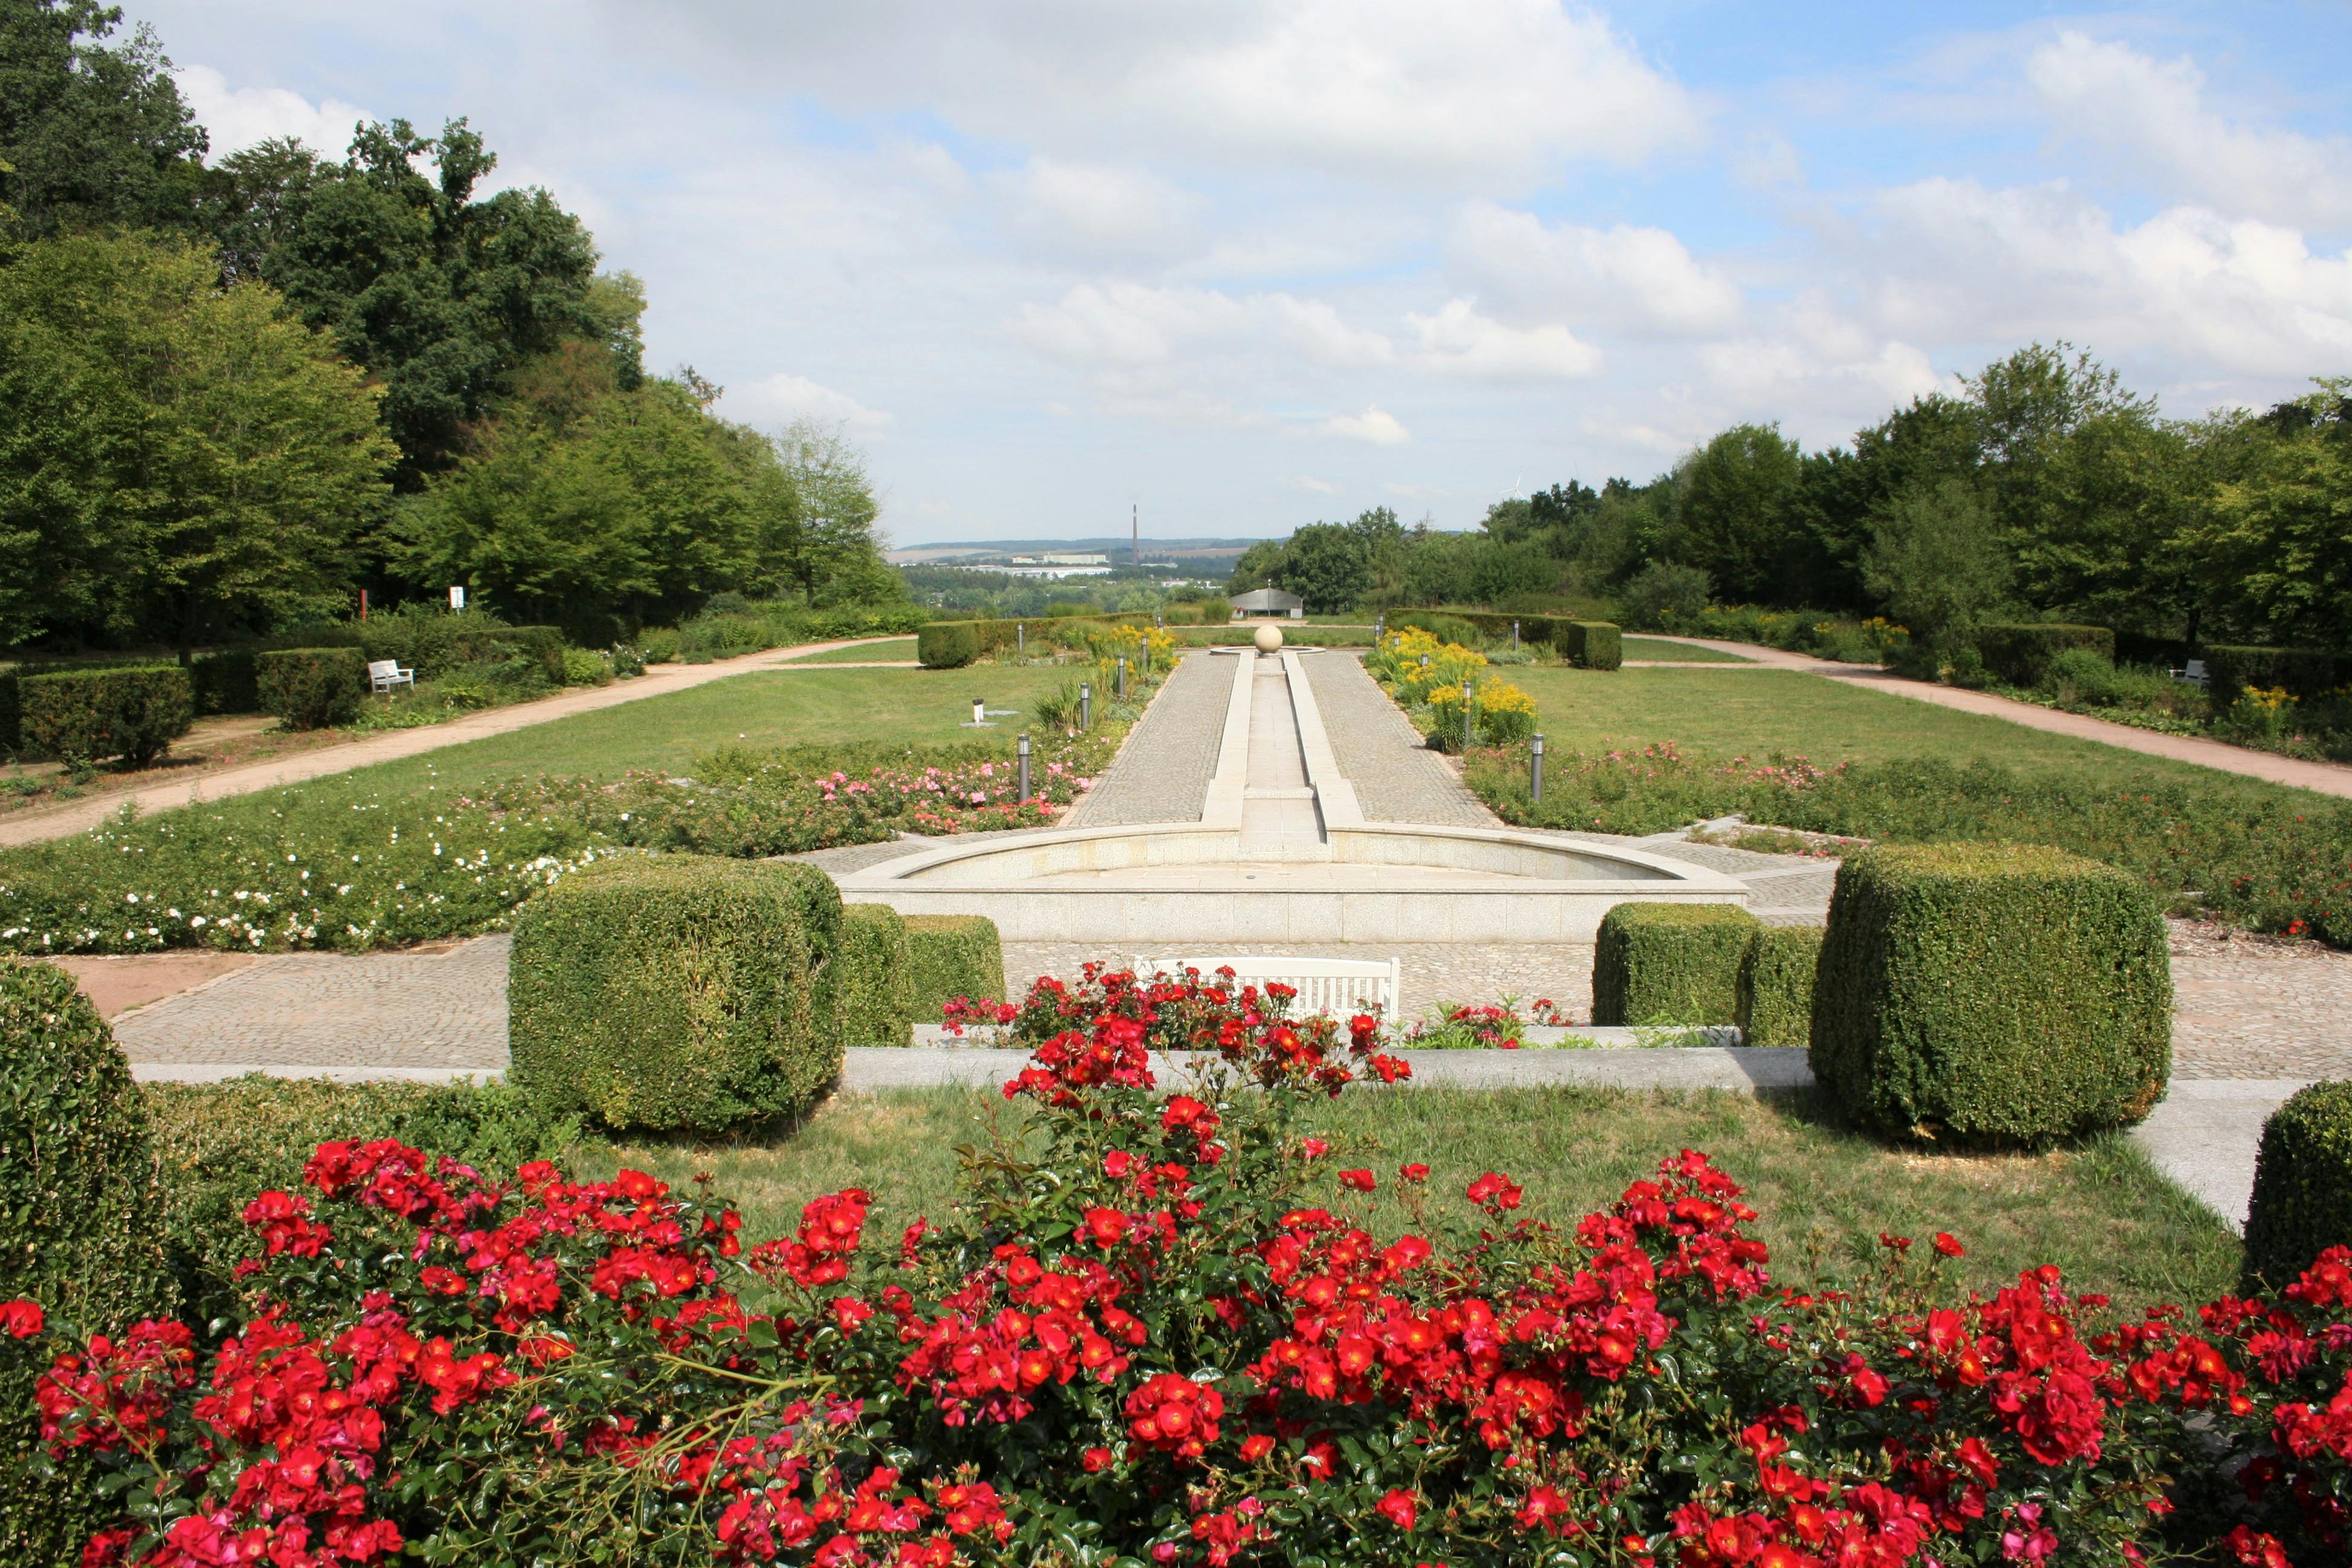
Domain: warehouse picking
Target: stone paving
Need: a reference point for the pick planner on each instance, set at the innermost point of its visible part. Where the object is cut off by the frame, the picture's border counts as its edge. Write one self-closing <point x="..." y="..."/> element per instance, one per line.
<point x="1162" y="770"/>
<point x="1397" y="777"/>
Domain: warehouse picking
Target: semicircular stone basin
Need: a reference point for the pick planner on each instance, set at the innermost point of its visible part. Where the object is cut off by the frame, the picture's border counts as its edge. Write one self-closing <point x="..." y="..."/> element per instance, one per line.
<point x="1200" y="882"/>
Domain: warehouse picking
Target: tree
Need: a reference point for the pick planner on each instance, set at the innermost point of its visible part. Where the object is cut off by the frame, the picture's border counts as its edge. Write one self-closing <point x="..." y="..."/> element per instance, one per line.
<point x="836" y="557"/>
<point x="1936" y="559"/>
<point x="92" y="134"/>
<point x="2280" y="535"/>
<point x="1737" y="503"/>
<point x="188" y="458"/>
<point x="1255" y="566"/>
<point x="1326" y="564"/>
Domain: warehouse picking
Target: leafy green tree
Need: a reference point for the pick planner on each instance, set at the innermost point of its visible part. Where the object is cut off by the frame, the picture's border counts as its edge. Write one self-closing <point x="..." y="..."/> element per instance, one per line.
<point x="836" y="557"/>
<point x="91" y="134"/>
<point x="186" y="459"/>
<point x="1326" y="564"/>
<point x="1738" y="496"/>
<point x="1256" y="567"/>
<point x="2280" y="534"/>
<point x="1938" y="561"/>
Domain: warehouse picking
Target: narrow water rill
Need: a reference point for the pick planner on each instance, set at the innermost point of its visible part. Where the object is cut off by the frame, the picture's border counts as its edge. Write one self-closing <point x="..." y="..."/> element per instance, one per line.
<point x="1281" y="851"/>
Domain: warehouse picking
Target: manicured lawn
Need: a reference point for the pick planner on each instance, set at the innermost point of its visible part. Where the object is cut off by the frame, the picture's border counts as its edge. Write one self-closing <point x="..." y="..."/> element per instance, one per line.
<point x="897" y="648"/>
<point x="919" y="706"/>
<point x="2098" y="1210"/>
<point x="1755" y="713"/>
<point x="1681" y="652"/>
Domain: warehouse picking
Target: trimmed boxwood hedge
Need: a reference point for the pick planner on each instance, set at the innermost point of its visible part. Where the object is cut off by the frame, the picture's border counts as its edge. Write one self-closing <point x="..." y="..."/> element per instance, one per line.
<point x="134" y="713"/>
<point x="876" y="968"/>
<point x="678" y="993"/>
<point x="2229" y="669"/>
<point x="947" y="644"/>
<point x="2020" y="653"/>
<point x="1991" y="994"/>
<point x="311" y="688"/>
<point x="2302" y="1185"/>
<point x="79" y="1231"/>
<point x="1670" y="963"/>
<point x="1593" y="645"/>
<point x="952" y="955"/>
<point x="1775" y="986"/>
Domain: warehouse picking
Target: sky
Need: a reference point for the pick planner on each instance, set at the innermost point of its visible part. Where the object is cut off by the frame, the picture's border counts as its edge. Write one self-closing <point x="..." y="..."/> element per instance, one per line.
<point x="1250" y="264"/>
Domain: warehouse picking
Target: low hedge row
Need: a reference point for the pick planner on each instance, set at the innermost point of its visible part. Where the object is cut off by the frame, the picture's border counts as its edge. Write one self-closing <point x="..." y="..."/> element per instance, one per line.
<point x="82" y="716"/>
<point x="1775" y="986"/>
<point x="2020" y="654"/>
<point x="2303" y="1183"/>
<point x="950" y="645"/>
<point x="875" y="965"/>
<point x="951" y="956"/>
<point x="2229" y="669"/>
<point x="311" y="688"/>
<point x="1996" y="994"/>
<point x="1658" y="963"/>
<point x="1589" y="644"/>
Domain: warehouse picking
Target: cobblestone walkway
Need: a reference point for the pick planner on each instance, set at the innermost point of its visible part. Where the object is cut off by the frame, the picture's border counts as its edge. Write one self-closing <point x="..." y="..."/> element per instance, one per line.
<point x="1397" y="778"/>
<point x="1162" y="770"/>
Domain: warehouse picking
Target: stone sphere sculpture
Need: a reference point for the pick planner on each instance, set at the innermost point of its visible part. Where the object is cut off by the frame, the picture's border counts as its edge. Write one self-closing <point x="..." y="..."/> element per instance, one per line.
<point x="1269" y="638"/>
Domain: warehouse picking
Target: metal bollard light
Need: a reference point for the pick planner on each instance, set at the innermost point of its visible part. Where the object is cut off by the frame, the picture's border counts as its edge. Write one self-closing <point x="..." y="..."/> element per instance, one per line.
<point x="1021" y="638"/>
<point x="979" y="709"/>
<point x="1086" y="705"/>
<point x="1024" y="764"/>
<point x="1122" y="678"/>
<point x="1465" y="714"/>
<point x="1379" y="625"/>
<point x="1535" y="769"/>
<point x="1514" y="637"/>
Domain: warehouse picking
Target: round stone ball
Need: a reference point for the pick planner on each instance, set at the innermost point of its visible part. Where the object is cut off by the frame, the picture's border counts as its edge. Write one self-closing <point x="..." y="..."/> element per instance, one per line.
<point x="1269" y="638"/>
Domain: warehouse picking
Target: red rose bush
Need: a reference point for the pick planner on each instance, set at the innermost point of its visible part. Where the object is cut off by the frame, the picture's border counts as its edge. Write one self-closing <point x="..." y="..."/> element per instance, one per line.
<point x="1162" y="1328"/>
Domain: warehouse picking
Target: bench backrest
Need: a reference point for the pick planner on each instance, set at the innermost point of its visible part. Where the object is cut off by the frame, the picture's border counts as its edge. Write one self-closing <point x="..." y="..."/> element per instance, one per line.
<point x="1334" y="985"/>
<point x="383" y="667"/>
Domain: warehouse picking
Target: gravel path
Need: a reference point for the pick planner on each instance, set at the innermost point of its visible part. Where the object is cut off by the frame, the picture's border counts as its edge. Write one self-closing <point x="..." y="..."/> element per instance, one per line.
<point x="1162" y="770"/>
<point x="1397" y="777"/>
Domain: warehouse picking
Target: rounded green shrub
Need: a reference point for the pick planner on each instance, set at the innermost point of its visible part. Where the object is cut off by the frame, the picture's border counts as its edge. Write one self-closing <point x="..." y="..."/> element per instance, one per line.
<point x="954" y="955"/>
<point x="875" y="965"/>
<point x="2022" y="654"/>
<point x="83" y="715"/>
<point x="1775" y="986"/>
<point x="311" y="688"/>
<point x="1675" y="964"/>
<point x="947" y="644"/>
<point x="1991" y="994"/>
<point x="80" y="1232"/>
<point x="678" y="993"/>
<point x="2302" y="1185"/>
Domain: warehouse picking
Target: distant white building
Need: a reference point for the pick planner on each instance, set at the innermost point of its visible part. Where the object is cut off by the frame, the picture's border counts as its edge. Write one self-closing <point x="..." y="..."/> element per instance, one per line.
<point x="1269" y="602"/>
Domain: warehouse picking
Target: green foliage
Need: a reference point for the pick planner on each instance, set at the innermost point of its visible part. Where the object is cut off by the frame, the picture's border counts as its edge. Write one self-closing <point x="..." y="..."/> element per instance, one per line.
<point x="1991" y="995"/>
<point x="79" y="1229"/>
<point x="952" y="956"/>
<point x="1663" y="596"/>
<point x="133" y="713"/>
<point x="92" y="134"/>
<point x="2230" y="669"/>
<point x="1936" y="561"/>
<point x="875" y="967"/>
<point x="676" y="994"/>
<point x="1592" y="645"/>
<point x="2303" y="1183"/>
<point x="226" y="681"/>
<point x="1327" y="565"/>
<point x="1738" y="498"/>
<point x="947" y="644"/>
<point x="1670" y="963"/>
<point x="586" y="667"/>
<point x="1775" y="986"/>
<point x="2022" y="654"/>
<point x="216" y="1144"/>
<point x="311" y="688"/>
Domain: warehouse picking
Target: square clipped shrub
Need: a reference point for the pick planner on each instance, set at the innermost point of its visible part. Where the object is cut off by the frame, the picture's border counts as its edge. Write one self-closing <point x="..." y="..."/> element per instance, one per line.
<point x="2302" y="1185"/>
<point x="83" y="715"/>
<point x="311" y="688"/>
<point x="1991" y="994"/>
<point x="875" y="964"/>
<point x="2230" y="669"/>
<point x="1592" y="645"/>
<point x="947" y="644"/>
<point x="1670" y="963"/>
<point x="2020" y="654"/>
<point x="226" y="681"/>
<point x="1775" y="986"/>
<point x="954" y="955"/>
<point x="677" y="992"/>
<point x="80" y="1232"/>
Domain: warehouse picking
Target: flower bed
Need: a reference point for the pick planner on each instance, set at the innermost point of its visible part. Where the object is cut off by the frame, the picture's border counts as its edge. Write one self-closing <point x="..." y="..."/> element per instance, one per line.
<point x="1159" y="1332"/>
<point x="1430" y="691"/>
<point x="2205" y="850"/>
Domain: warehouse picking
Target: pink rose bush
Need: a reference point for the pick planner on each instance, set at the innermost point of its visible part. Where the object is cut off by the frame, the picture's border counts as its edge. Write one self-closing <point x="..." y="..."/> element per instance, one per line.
<point x="1164" y="1326"/>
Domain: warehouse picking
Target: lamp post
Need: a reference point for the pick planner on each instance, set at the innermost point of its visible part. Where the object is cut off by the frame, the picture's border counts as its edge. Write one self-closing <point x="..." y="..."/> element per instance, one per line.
<point x="1086" y="705"/>
<point x="1379" y="625"/>
<point x="1021" y="638"/>
<point x="1466" y="714"/>
<point x="1122" y="678"/>
<point x="1514" y="637"/>
<point x="1535" y="769"/>
<point x="978" y="704"/>
<point x="1024" y="764"/>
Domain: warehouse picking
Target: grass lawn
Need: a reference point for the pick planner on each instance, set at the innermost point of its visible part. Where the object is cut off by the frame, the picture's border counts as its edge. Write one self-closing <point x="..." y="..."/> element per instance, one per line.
<point x="919" y="706"/>
<point x="2098" y="1210"/>
<point x="1756" y="712"/>
<point x="1686" y="653"/>
<point x="896" y="648"/>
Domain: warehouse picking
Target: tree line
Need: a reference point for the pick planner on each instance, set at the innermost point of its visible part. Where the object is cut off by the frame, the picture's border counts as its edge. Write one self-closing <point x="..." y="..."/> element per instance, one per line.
<point x="235" y="392"/>
<point x="2043" y="489"/>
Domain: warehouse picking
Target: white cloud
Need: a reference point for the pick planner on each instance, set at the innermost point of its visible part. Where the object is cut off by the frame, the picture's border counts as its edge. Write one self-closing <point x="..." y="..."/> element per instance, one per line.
<point x="1137" y="325"/>
<point x="1638" y="281"/>
<point x="1487" y="94"/>
<point x="782" y="398"/>
<point x="1314" y="486"/>
<point x="2151" y="115"/>
<point x="1375" y="424"/>
<point x="1096" y="208"/>
<point x="1459" y="341"/>
<point x="238" y="118"/>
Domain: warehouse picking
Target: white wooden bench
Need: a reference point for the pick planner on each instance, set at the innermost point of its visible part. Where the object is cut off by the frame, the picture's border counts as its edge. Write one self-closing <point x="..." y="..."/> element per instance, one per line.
<point x="2193" y="672"/>
<point x="384" y="674"/>
<point x="1336" y="985"/>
